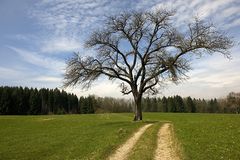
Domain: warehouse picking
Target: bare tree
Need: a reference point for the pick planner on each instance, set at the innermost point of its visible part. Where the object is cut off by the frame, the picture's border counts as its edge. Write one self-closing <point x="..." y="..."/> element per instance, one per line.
<point x="143" y="50"/>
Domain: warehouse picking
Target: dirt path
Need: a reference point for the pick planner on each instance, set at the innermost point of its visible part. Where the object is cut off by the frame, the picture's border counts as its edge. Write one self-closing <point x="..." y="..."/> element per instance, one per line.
<point x="122" y="152"/>
<point x="165" y="147"/>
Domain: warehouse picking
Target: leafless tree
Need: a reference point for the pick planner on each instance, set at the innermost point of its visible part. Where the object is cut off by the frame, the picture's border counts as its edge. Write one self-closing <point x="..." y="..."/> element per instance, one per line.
<point x="143" y="50"/>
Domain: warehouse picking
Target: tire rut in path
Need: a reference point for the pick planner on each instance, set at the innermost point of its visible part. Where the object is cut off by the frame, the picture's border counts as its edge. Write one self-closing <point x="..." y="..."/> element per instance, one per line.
<point x="165" y="144"/>
<point x="123" y="151"/>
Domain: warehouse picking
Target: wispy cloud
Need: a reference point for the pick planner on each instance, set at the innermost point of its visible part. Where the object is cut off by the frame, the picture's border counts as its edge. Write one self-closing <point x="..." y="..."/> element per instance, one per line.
<point x="212" y="76"/>
<point x="233" y="23"/>
<point x="104" y="88"/>
<point x="8" y="73"/>
<point x="28" y="77"/>
<point x="230" y="12"/>
<point x="67" y="23"/>
<point x="208" y="8"/>
<point x="40" y="60"/>
<point x="59" y="45"/>
<point x="47" y="79"/>
<point x="68" y="17"/>
<point x="218" y="11"/>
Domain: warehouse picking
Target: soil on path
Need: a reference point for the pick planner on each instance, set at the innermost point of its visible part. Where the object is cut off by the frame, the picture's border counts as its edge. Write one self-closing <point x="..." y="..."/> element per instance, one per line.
<point x="123" y="151"/>
<point x="166" y="150"/>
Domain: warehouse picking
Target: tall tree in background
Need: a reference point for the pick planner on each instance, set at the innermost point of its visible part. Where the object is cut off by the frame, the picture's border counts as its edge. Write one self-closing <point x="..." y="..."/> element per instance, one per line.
<point x="172" y="104"/>
<point x="142" y="50"/>
<point x="26" y="96"/>
<point x="191" y="107"/>
<point x="179" y="104"/>
<point x="34" y="102"/>
<point x="44" y="100"/>
<point x="5" y="101"/>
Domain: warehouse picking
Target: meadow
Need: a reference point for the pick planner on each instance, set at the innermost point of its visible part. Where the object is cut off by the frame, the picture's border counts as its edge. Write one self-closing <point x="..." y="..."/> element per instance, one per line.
<point x="96" y="136"/>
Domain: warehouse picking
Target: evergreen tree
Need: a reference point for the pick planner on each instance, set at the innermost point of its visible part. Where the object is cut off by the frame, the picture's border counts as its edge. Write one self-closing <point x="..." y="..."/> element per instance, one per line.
<point x="56" y="102"/>
<point x="171" y="104"/>
<point x="190" y="105"/>
<point x="14" y="103"/>
<point x="159" y="105"/>
<point x="26" y="96"/>
<point x="215" y="106"/>
<point x="83" y="105"/>
<point x="154" y="105"/>
<point x="50" y="101"/>
<point x="65" y="102"/>
<point x="202" y="105"/>
<point x="149" y="105"/>
<point x="90" y="101"/>
<point x="5" y="101"/>
<point x="144" y="105"/>
<point x="44" y="100"/>
<point x="1" y="92"/>
<point x="179" y="104"/>
<point x="20" y="100"/>
<point x="34" y="102"/>
<point x="165" y="104"/>
<point x="212" y="106"/>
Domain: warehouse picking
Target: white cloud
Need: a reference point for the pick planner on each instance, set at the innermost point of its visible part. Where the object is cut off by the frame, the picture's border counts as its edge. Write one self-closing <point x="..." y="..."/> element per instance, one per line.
<point x="40" y="60"/>
<point x="8" y="73"/>
<point x="66" y="23"/>
<point x="231" y="11"/>
<point x="23" y="75"/>
<point x="212" y="76"/>
<point x="217" y="11"/>
<point x="234" y="23"/>
<point x="27" y="77"/>
<point x="216" y="80"/>
<point x="67" y="17"/>
<point x="58" y="45"/>
<point x="210" y="7"/>
<point x="103" y="88"/>
<point x="48" y="79"/>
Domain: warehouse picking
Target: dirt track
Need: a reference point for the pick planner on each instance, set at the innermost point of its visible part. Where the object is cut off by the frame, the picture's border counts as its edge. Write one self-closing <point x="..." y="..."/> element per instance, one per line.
<point x="123" y="151"/>
<point x="165" y="148"/>
<point x="165" y="144"/>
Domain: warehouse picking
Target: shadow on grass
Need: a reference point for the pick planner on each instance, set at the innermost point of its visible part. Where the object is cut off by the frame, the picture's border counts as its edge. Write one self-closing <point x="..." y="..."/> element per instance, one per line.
<point x="147" y="122"/>
<point x="152" y="122"/>
<point x="124" y="123"/>
<point x="119" y="124"/>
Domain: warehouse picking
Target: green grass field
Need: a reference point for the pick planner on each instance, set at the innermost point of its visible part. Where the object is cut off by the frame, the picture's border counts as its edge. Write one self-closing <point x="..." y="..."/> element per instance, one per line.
<point x="202" y="136"/>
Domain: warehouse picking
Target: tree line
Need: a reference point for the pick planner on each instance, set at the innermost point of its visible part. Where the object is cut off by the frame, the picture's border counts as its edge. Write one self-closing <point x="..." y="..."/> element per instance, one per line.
<point x="23" y="101"/>
<point x="32" y="101"/>
<point x="230" y="104"/>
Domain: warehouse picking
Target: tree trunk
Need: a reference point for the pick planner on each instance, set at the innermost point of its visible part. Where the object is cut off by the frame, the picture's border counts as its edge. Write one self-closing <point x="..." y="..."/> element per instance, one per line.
<point x="138" y="109"/>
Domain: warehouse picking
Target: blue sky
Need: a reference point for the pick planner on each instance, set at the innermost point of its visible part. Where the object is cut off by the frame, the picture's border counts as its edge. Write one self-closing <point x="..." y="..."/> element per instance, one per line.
<point x="37" y="36"/>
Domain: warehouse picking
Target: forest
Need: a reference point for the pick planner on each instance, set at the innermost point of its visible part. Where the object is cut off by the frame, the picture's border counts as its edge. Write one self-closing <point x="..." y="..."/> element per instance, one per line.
<point x="33" y="101"/>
